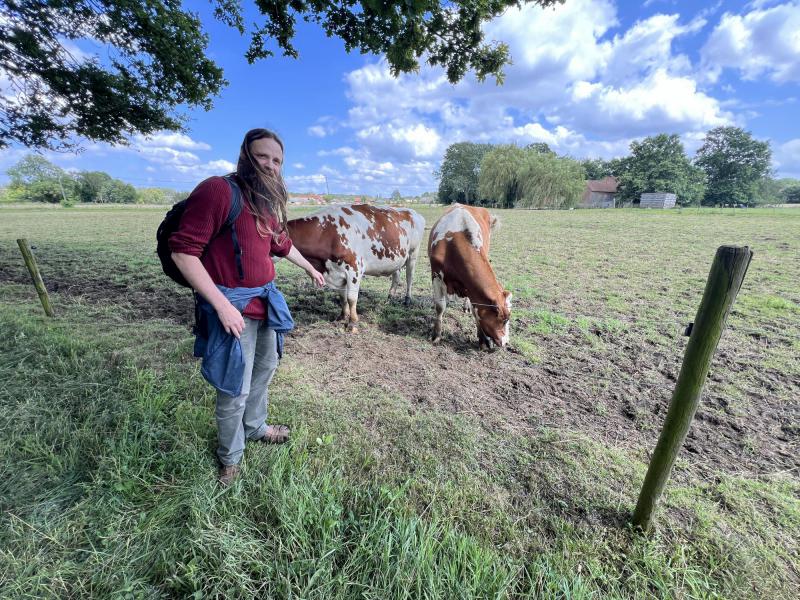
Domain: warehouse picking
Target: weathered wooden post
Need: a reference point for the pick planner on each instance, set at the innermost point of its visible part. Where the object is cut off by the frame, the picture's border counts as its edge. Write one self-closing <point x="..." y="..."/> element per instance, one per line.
<point x="724" y="280"/>
<point x="30" y="262"/>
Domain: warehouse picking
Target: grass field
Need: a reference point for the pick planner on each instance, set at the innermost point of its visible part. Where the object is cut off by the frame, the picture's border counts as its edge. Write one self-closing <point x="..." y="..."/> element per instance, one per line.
<point x="413" y="471"/>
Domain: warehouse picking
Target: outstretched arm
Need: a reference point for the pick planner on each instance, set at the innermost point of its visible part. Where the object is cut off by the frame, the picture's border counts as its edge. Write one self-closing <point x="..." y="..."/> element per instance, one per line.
<point x="298" y="259"/>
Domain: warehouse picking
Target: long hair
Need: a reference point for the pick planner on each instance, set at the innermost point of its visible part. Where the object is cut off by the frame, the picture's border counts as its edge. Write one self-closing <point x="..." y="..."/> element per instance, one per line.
<point x="266" y="193"/>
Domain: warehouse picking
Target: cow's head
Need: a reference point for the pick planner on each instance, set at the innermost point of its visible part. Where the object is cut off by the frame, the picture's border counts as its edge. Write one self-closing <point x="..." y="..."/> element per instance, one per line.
<point x="492" y="320"/>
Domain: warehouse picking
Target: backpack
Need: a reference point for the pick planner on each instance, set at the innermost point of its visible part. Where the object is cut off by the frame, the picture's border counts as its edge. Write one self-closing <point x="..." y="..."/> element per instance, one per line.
<point x="173" y="219"/>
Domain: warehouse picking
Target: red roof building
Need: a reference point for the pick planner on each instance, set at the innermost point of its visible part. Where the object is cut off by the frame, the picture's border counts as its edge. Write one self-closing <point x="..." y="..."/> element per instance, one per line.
<point x="600" y="193"/>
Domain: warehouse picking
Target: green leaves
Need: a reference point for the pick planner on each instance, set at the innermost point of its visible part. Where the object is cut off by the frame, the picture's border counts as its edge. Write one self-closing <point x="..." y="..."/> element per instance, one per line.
<point x="156" y="62"/>
<point x="458" y="177"/>
<point x="35" y="179"/>
<point x="156" y="56"/>
<point x="734" y="163"/>
<point x="531" y="177"/>
<point x="448" y="34"/>
<point x="659" y="164"/>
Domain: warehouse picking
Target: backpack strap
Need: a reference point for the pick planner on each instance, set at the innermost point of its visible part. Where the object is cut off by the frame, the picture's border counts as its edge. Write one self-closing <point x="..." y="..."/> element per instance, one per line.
<point x="236" y="209"/>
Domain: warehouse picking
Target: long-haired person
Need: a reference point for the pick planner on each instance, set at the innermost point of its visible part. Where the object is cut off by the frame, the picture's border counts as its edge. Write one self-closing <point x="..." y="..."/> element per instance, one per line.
<point x="240" y="312"/>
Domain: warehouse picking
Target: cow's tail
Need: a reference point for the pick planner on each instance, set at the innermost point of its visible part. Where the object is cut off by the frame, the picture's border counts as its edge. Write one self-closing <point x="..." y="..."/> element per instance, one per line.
<point x="494" y="223"/>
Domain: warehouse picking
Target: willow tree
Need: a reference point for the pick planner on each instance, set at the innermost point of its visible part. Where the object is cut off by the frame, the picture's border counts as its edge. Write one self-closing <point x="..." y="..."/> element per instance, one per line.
<point x="549" y="181"/>
<point x="499" y="175"/>
<point x="528" y="178"/>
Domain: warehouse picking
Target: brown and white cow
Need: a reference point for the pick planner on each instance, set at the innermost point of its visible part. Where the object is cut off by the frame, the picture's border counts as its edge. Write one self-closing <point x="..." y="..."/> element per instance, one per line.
<point x="458" y="249"/>
<point x="345" y="243"/>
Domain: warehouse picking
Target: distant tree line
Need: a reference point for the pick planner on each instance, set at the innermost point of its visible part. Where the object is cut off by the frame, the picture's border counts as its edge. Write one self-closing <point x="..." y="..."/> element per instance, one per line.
<point x="35" y="179"/>
<point x="729" y="168"/>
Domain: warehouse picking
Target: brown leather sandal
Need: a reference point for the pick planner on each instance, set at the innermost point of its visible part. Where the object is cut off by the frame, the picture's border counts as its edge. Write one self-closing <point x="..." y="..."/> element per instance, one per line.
<point x="227" y="474"/>
<point x="276" y="434"/>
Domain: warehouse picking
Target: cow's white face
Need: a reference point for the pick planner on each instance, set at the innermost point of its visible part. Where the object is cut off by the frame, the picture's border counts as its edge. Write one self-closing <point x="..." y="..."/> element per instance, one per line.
<point x="493" y="323"/>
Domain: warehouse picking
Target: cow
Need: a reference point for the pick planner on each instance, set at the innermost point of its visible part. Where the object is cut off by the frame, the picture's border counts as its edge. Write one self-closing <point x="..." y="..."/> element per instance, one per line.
<point x="458" y="249"/>
<point x="344" y="243"/>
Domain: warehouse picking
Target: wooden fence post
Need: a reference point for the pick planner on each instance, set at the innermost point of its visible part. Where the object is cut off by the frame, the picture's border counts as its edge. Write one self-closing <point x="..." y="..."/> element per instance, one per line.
<point x="30" y="262"/>
<point x="726" y="276"/>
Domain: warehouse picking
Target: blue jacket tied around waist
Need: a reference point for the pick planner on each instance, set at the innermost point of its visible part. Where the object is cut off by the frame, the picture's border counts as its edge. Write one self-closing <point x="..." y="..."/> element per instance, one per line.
<point x="223" y="363"/>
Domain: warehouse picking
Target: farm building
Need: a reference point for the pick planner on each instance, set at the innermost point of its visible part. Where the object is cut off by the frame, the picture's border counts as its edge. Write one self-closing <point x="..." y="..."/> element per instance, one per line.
<point x="306" y="199"/>
<point x="657" y="200"/>
<point x="600" y="193"/>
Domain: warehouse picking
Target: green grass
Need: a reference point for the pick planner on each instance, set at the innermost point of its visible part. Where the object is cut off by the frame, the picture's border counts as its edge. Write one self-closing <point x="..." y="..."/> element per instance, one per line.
<point x="107" y="434"/>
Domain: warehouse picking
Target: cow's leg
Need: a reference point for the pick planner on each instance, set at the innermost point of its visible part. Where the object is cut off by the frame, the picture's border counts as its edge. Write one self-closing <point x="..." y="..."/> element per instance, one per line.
<point x="411" y="265"/>
<point x="395" y="283"/>
<point x="439" y="292"/>
<point x="352" y="301"/>
<point x="345" y="314"/>
<point x="335" y="273"/>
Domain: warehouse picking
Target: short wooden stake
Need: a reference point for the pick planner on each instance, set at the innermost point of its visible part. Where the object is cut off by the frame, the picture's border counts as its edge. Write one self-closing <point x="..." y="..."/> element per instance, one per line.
<point x="726" y="276"/>
<point x="30" y="262"/>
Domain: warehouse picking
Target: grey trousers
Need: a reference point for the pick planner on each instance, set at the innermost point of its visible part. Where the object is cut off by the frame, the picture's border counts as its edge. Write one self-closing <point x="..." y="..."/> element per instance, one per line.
<point x="244" y="417"/>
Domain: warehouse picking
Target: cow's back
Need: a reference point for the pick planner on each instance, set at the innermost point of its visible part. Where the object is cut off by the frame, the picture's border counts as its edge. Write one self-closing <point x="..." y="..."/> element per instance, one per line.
<point x="376" y="240"/>
<point x="392" y="235"/>
<point x="463" y="229"/>
<point x="318" y="237"/>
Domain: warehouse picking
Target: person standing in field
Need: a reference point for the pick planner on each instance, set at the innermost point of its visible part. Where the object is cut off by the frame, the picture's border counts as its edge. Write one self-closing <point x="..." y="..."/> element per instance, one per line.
<point x="232" y="273"/>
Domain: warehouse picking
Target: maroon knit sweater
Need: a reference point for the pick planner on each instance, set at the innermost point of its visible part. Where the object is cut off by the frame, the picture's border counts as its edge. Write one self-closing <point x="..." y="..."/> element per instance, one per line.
<point x="206" y="211"/>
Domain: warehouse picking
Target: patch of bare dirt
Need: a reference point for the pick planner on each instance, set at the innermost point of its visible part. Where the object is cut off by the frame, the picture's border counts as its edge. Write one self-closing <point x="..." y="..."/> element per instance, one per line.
<point x="621" y="401"/>
<point x="172" y="302"/>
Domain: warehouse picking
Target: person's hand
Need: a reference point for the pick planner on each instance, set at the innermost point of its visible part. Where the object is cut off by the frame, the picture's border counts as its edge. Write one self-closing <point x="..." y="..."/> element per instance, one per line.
<point x="317" y="277"/>
<point x="231" y="319"/>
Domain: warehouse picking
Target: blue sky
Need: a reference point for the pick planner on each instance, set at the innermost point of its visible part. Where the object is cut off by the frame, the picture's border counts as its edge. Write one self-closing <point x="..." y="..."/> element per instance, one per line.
<point x="588" y="78"/>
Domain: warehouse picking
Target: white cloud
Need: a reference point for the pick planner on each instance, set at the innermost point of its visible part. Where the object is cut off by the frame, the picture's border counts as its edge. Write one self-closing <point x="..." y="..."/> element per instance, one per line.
<point x="222" y="165"/>
<point x="306" y="183"/>
<point x="317" y="131"/>
<point x="405" y="141"/>
<point x="786" y="159"/>
<point x="167" y="156"/>
<point x="370" y="167"/>
<point x="168" y="139"/>
<point x="10" y="157"/>
<point x="72" y="49"/>
<point x="572" y="85"/>
<point x="556" y="44"/>
<point x="298" y="165"/>
<point x="579" y="82"/>
<point x="363" y="174"/>
<point x="162" y="157"/>
<point x="647" y="46"/>
<point x="169" y="152"/>
<point x="343" y="151"/>
<point x="659" y="102"/>
<point x="200" y="170"/>
<point x="765" y="41"/>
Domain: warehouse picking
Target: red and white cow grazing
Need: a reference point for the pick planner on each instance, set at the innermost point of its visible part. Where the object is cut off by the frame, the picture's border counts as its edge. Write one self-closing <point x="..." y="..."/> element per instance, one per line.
<point x="345" y="243"/>
<point x="459" y="252"/>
